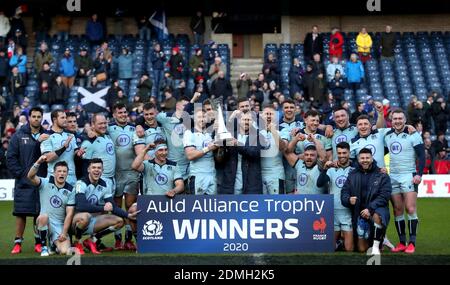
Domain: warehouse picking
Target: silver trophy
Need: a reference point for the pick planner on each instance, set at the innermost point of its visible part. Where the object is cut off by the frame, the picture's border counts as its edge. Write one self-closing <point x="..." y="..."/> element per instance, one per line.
<point x="222" y="134"/>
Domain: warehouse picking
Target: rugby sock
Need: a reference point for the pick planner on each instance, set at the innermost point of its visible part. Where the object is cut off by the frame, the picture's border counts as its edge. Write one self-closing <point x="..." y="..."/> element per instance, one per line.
<point x="105" y="232"/>
<point x="118" y="235"/>
<point x="43" y="234"/>
<point x="37" y="237"/>
<point x="128" y="233"/>
<point x="18" y="240"/>
<point x="378" y="232"/>
<point x="413" y="222"/>
<point x="400" y="225"/>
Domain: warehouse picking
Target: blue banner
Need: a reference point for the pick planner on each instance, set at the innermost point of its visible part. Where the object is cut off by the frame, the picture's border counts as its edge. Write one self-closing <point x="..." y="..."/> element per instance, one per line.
<point x="235" y="224"/>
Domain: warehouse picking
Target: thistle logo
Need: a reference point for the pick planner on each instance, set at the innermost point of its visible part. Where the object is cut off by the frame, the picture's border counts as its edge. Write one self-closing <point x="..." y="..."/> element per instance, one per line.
<point x="152" y="230"/>
<point x="320" y="225"/>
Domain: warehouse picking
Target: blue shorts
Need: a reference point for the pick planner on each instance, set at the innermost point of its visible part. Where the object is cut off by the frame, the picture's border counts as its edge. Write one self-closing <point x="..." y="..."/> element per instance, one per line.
<point x="203" y="184"/>
<point x="402" y="183"/>
<point x="55" y="228"/>
<point x="127" y="182"/>
<point x="342" y="220"/>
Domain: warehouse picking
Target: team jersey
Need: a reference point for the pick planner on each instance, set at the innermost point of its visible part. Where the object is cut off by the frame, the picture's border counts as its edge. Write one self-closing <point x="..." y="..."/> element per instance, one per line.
<point x="150" y="136"/>
<point x="401" y="149"/>
<point x="174" y="129"/>
<point x="342" y="135"/>
<point x="271" y="158"/>
<point x="95" y="194"/>
<point x="338" y="176"/>
<point x="319" y="135"/>
<point x="374" y="142"/>
<point x="307" y="178"/>
<point x="122" y="138"/>
<point x="54" y="200"/>
<point x="286" y="128"/>
<point x="158" y="179"/>
<point x="54" y="142"/>
<point x="101" y="147"/>
<point x="238" y="183"/>
<point x="204" y="164"/>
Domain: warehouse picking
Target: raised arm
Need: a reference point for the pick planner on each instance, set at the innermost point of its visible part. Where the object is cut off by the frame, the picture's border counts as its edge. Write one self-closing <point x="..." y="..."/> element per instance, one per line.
<point x="32" y="177"/>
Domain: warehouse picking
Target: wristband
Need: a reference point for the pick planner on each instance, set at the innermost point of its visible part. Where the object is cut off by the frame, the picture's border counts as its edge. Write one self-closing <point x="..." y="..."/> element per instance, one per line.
<point x="36" y="165"/>
<point x="205" y="150"/>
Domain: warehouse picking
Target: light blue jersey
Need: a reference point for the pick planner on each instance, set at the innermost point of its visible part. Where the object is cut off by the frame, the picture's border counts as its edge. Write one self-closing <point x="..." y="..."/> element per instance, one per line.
<point x="54" y="142"/>
<point x="238" y="182"/>
<point x="95" y="194"/>
<point x="401" y="151"/>
<point x="174" y="130"/>
<point x="374" y="142"/>
<point x="150" y="136"/>
<point x="205" y="164"/>
<point x="342" y="135"/>
<point x="319" y="135"/>
<point x="54" y="200"/>
<point x="102" y="147"/>
<point x="271" y="158"/>
<point x="307" y="179"/>
<point x="338" y="176"/>
<point x="122" y="137"/>
<point x="158" y="179"/>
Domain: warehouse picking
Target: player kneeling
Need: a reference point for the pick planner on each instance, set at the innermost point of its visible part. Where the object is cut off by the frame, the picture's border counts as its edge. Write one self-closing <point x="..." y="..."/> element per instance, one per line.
<point x="96" y="213"/>
<point x="57" y="200"/>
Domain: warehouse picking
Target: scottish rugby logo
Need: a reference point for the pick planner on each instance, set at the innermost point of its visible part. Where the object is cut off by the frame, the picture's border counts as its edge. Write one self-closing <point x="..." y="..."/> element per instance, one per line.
<point x="152" y="230"/>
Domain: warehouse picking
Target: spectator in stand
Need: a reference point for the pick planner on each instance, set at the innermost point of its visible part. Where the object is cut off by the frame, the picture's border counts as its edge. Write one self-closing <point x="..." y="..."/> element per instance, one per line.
<point x="85" y="67"/>
<point x="111" y="95"/>
<point x="102" y="67"/>
<point x="337" y="86"/>
<point x="428" y="156"/>
<point x="441" y="162"/>
<point x="144" y="87"/>
<point x="440" y="115"/>
<point x="243" y="85"/>
<point x="60" y="92"/>
<point x="42" y="56"/>
<point x="4" y="173"/>
<point x="107" y="53"/>
<point x="296" y="77"/>
<point x="387" y="44"/>
<point x="417" y="115"/>
<point x="125" y="65"/>
<point x="364" y="43"/>
<point x="318" y="66"/>
<point x="63" y="25"/>
<point x="360" y="106"/>
<point x="46" y="75"/>
<point x="313" y="43"/>
<point x="273" y="67"/>
<point x="158" y="58"/>
<point x="20" y="39"/>
<point x="439" y="143"/>
<point x="176" y="65"/>
<point x="94" y="30"/>
<point x="180" y="89"/>
<point x="217" y="67"/>
<point x="169" y="103"/>
<point x="196" y="61"/>
<point x="167" y="82"/>
<point x="120" y="99"/>
<point x="336" y="43"/>
<point x="20" y="60"/>
<point x="332" y="67"/>
<point x="143" y="25"/>
<point x="355" y="73"/>
<point x="17" y="22"/>
<point x="428" y="111"/>
<point x="44" y="94"/>
<point x="221" y="87"/>
<point x="198" y="27"/>
<point x="213" y="52"/>
<point x="218" y="22"/>
<point x="41" y="25"/>
<point x="67" y="69"/>
<point x="258" y="94"/>
<point x="16" y="86"/>
<point x="200" y="95"/>
<point x="4" y="70"/>
<point x="260" y="80"/>
<point x="5" y="27"/>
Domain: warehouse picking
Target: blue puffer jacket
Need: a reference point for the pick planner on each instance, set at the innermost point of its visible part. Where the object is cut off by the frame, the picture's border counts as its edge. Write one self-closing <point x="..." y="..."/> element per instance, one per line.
<point x="22" y="152"/>
<point x="94" y="30"/>
<point x="378" y="193"/>
<point x="20" y="62"/>
<point x="125" y="66"/>
<point x="67" y="67"/>
<point x="354" y="71"/>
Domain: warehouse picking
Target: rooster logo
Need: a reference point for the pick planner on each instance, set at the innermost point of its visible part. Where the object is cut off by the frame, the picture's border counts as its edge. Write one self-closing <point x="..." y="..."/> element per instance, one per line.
<point x="320" y="225"/>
